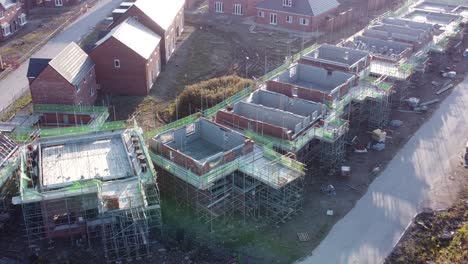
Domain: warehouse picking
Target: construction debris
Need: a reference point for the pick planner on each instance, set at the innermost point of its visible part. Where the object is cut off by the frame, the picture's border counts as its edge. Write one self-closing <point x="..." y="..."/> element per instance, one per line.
<point x="413" y="102"/>
<point x="444" y="89"/>
<point x="303" y="237"/>
<point x="378" y="146"/>
<point x="429" y="102"/>
<point x="345" y="171"/>
<point x="396" y="123"/>
<point x="379" y="135"/>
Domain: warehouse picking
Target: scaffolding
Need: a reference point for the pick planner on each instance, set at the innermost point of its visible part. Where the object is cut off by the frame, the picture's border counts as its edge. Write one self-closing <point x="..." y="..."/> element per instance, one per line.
<point x="332" y="154"/>
<point x="122" y="215"/>
<point x="246" y="188"/>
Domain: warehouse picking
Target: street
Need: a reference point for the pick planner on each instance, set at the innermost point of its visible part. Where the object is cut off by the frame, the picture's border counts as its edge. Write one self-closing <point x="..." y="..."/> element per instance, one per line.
<point x="15" y="83"/>
<point x="416" y="178"/>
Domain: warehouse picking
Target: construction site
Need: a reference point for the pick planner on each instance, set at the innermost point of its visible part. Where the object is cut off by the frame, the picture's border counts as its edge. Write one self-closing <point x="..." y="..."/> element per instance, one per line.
<point x="96" y="188"/>
<point x="252" y="158"/>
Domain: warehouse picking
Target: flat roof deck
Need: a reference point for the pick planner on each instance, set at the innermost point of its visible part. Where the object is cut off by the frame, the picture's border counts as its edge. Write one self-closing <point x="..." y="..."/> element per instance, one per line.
<point x="380" y="46"/>
<point x="431" y="17"/>
<point x="64" y="162"/>
<point x="436" y="7"/>
<point x="408" y="23"/>
<point x="314" y="78"/>
<point x="270" y="172"/>
<point x="340" y="55"/>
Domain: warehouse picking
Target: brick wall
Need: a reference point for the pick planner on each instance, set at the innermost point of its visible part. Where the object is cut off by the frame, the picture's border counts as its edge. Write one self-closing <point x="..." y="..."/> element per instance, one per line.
<point x="51" y="88"/>
<point x="237" y="121"/>
<point x="339" y="19"/>
<point x="303" y="93"/>
<point x="10" y="16"/>
<point x="375" y="5"/>
<point x="248" y="6"/>
<point x="60" y="118"/>
<point x="133" y="76"/>
<point x="53" y="3"/>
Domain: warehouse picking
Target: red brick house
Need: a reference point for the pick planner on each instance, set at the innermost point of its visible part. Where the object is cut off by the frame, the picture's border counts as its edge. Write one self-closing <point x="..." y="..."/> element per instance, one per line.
<point x="67" y="79"/>
<point x="30" y="4"/>
<point x="304" y="15"/>
<point x="127" y="59"/>
<point x="235" y="7"/>
<point x="165" y="18"/>
<point x="12" y="18"/>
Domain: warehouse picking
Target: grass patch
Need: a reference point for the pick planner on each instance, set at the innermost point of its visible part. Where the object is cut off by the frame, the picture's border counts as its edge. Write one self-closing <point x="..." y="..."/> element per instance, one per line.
<point x="19" y="104"/>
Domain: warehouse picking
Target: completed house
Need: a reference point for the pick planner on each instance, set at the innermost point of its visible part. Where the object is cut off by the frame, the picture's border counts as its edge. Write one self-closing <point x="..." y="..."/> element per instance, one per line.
<point x="12" y="18"/>
<point x="30" y="4"/>
<point x="304" y="15"/>
<point x="128" y="59"/>
<point x="235" y="7"/>
<point x="165" y="18"/>
<point x="67" y="79"/>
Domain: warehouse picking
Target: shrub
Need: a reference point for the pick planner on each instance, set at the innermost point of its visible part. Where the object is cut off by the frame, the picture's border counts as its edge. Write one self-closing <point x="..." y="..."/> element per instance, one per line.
<point x="206" y="94"/>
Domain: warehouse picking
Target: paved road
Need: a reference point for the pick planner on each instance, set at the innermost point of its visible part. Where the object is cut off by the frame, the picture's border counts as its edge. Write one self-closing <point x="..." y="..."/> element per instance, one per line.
<point x="15" y="82"/>
<point x="416" y="178"/>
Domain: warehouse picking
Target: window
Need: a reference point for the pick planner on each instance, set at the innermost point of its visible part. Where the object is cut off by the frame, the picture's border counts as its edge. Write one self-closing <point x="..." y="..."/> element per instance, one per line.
<point x="292" y="72"/>
<point x="93" y="91"/>
<point x="219" y="7"/>
<point x="273" y="19"/>
<point x="117" y="64"/>
<point x="304" y="21"/>
<point x="6" y="30"/>
<point x="1" y="14"/>
<point x="190" y="129"/>
<point x="287" y="2"/>
<point x="22" y="19"/>
<point x="289" y="19"/>
<point x="294" y="92"/>
<point x="237" y="9"/>
<point x="261" y="14"/>
<point x="58" y="3"/>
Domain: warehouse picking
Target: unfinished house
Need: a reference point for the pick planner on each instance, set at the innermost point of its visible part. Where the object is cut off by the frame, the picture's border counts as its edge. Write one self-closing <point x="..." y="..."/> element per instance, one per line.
<point x="99" y="188"/>
<point x="417" y="37"/>
<point x="438" y="7"/>
<point x="386" y="54"/>
<point x="312" y="83"/>
<point x="339" y="58"/>
<point x="431" y="17"/>
<point x="272" y="114"/>
<point x="8" y="166"/>
<point x="219" y="173"/>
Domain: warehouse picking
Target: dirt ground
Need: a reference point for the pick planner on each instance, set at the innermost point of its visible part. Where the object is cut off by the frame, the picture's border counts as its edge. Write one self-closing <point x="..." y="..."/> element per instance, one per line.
<point x="436" y="237"/>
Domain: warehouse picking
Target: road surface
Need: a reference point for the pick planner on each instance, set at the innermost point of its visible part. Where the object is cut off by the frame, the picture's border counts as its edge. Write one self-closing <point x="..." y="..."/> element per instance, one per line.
<point x="416" y="178"/>
<point x="15" y="83"/>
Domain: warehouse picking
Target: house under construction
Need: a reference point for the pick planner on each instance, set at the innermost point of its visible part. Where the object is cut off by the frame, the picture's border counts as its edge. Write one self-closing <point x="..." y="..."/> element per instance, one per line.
<point x="221" y="173"/>
<point x="8" y="165"/>
<point x="97" y="187"/>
